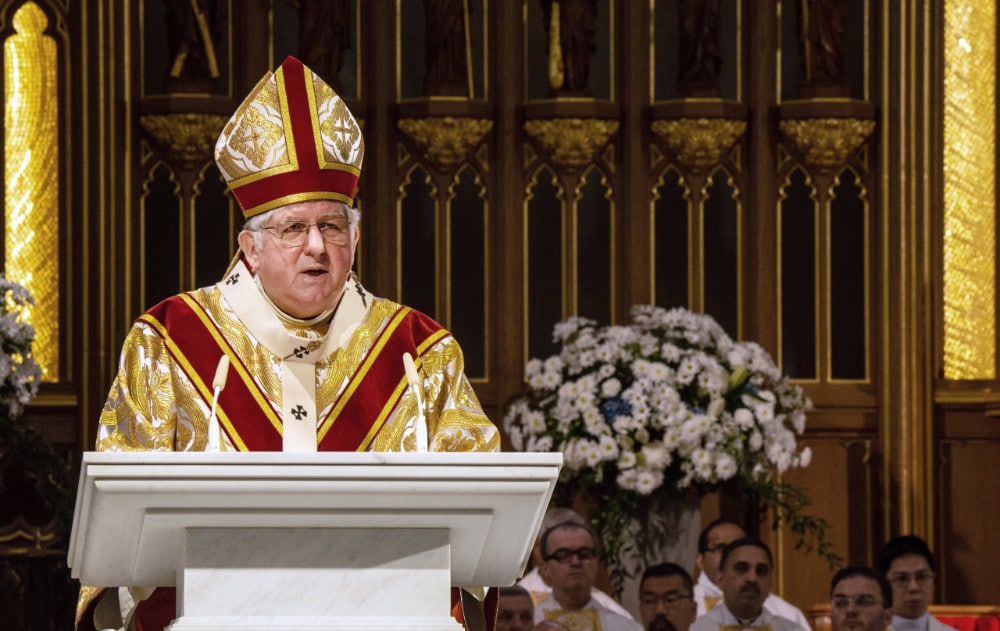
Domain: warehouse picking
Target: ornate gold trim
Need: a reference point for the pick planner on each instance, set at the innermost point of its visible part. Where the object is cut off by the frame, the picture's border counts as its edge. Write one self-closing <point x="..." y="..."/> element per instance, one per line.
<point x="570" y="143"/>
<point x="699" y="143"/>
<point x="447" y="141"/>
<point x="187" y="139"/>
<point x="827" y="143"/>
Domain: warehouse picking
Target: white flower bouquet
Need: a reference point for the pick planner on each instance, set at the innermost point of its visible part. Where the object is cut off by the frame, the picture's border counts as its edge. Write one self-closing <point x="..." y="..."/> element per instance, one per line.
<point x="37" y="471"/>
<point x="20" y="374"/>
<point x="658" y="409"/>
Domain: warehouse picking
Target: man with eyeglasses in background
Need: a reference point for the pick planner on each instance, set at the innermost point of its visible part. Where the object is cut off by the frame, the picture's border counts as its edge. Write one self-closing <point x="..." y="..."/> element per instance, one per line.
<point x="665" y="598"/>
<point x="707" y="592"/>
<point x="908" y="565"/>
<point x="532" y="581"/>
<point x="745" y="578"/>
<point x="860" y="600"/>
<point x="569" y="566"/>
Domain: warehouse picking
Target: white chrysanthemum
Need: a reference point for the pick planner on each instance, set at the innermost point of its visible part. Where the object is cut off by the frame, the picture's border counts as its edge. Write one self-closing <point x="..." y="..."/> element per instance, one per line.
<point x="743" y="418"/>
<point x="671" y="438"/>
<point x="671" y="353"/>
<point x="738" y="356"/>
<point x="799" y="422"/>
<point x="623" y="424"/>
<point x="627" y="479"/>
<point x="687" y="370"/>
<point x="539" y="443"/>
<point x="554" y="364"/>
<point x="591" y="414"/>
<point x="534" y="421"/>
<point x="611" y="387"/>
<point x="550" y="380"/>
<point x="764" y="412"/>
<point x="704" y="464"/>
<point x="647" y="481"/>
<point x="725" y="466"/>
<point x="805" y="457"/>
<point x="655" y="455"/>
<point x="756" y="441"/>
<point x="626" y="459"/>
<point x="533" y="367"/>
<point x="607" y="447"/>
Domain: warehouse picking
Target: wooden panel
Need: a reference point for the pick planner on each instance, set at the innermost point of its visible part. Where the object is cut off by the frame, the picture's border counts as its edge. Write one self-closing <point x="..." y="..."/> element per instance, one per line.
<point x="842" y="483"/>
<point x="969" y="514"/>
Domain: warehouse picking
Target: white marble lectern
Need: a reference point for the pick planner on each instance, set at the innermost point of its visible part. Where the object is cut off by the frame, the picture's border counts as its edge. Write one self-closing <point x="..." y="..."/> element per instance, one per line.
<point x="322" y="541"/>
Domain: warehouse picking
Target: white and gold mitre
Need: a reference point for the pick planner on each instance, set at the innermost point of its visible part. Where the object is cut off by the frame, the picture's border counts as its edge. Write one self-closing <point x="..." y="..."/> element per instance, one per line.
<point x="291" y="140"/>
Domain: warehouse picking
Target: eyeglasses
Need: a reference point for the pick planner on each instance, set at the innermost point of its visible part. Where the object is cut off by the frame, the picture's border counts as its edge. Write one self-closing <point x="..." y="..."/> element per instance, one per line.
<point x="670" y="599"/>
<point x="564" y="554"/>
<point x="294" y="233"/>
<point x="861" y="601"/>
<point x="902" y="580"/>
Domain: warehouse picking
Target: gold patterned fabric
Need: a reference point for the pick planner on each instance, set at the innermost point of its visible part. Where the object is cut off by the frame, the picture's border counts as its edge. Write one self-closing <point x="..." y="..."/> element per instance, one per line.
<point x="291" y="140"/>
<point x="578" y="620"/>
<point x="157" y="404"/>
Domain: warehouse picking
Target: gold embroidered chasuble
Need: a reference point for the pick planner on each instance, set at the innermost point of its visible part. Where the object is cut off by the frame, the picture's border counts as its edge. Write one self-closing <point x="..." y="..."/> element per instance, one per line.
<point x="159" y="400"/>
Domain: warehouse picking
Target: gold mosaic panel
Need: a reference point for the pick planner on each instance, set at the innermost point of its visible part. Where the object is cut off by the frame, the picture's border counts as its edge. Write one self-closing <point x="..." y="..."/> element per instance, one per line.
<point x="31" y="176"/>
<point x="969" y="191"/>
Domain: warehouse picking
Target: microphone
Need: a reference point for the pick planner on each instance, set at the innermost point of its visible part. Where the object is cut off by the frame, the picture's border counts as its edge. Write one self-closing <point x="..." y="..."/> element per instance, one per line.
<point x="414" y="380"/>
<point x="221" y="372"/>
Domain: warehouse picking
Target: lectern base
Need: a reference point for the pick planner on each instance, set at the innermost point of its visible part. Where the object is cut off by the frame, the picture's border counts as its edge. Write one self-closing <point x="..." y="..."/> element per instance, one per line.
<point x="315" y="578"/>
<point x="192" y="623"/>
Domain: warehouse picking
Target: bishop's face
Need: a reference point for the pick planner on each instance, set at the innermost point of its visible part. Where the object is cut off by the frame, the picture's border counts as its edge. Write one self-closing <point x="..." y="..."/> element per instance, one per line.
<point x="303" y="277"/>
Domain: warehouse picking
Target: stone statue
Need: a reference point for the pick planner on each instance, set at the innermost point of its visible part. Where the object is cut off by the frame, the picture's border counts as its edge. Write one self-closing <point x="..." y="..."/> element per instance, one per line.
<point x="821" y="44"/>
<point x="446" y="48"/>
<point x="700" y="58"/>
<point x="324" y="36"/>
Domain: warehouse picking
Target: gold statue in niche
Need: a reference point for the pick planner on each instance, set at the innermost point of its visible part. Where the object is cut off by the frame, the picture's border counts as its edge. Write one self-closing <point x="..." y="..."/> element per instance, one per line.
<point x="193" y="28"/>
<point x="572" y="41"/>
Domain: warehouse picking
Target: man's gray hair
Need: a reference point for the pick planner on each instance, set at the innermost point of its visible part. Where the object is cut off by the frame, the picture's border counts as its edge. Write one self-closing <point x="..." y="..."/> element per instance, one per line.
<point x="256" y="223"/>
<point x="556" y="516"/>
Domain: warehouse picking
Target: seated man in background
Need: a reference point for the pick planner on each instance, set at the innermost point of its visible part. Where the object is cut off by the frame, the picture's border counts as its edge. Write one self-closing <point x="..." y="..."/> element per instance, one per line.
<point x="707" y="593"/>
<point x="569" y="565"/>
<point x="908" y="565"/>
<point x="665" y="598"/>
<point x="745" y="579"/>
<point x="860" y="600"/>
<point x="516" y="610"/>
<point x="533" y="582"/>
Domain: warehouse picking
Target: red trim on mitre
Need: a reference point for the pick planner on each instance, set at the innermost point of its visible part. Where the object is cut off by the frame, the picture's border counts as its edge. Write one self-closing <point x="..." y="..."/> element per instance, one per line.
<point x="296" y="186"/>
<point x="311" y="180"/>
